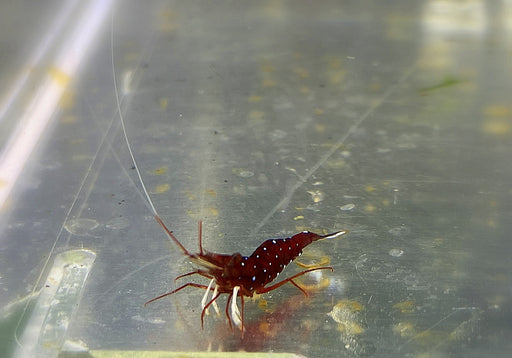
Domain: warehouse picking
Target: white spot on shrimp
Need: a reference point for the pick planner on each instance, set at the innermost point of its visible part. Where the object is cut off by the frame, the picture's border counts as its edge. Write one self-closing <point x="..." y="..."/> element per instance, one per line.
<point x="264" y="249"/>
<point x="253" y="278"/>
<point x="270" y="263"/>
<point x="274" y="242"/>
<point x="277" y="256"/>
<point x="243" y="263"/>
<point x="265" y="270"/>
<point x="257" y="256"/>
<point x="289" y="248"/>
<point x="254" y="266"/>
<point x="280" y="249"/>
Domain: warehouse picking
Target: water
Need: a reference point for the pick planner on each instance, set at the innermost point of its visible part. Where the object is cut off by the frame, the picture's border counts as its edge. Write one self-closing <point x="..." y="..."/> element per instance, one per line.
<point x="263" y="120"/>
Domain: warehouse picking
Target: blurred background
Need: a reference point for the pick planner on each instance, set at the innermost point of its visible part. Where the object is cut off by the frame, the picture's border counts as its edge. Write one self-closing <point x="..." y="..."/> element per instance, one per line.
<point x="390" y="119"/>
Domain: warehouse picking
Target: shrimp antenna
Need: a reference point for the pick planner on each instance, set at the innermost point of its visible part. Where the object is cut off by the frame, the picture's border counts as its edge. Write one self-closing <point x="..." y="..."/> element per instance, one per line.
<point x="148" y="200"/>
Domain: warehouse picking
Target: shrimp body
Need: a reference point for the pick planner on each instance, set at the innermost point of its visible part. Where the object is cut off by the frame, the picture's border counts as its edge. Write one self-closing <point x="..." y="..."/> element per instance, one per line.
<point x="243" y="276"/>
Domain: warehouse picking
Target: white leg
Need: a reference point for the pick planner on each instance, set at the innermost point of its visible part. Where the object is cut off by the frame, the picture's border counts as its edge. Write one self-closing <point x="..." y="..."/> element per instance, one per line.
<point x="214" y="304"/>
<point x="205" y="297"/>
<point x="236" y="317"/>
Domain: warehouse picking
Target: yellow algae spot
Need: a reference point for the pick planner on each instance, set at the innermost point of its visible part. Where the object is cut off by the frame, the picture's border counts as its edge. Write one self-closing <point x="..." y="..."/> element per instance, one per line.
<point x="336" y="163"/>
<point x="265" y="328"/>
<point x="320" y="128"/>
<point x="197" y="214"/>
<point x="76" y="141"/>
<point x="130" y="56"/>
<point x="59" y="76"/>
<point x="298" y="217"/>
<point x="68" y="119"/>
<point x="350" y="328"/>
<point x="319" y="111"/>
<point x="430" y="337"/>
<point x="497" y="301"/>
<point x="269" y="83"/>
<point x="190" y="195"/>
<point x="375" y="87"/>
<point x="254" y="99"/>
<point x="304" y="90"/>
<point x="397" y="27"/>
<point x="211" y="192"/>
<point x="370" y="188"/>
<point x="162" y="188"/>
<point x="80" y="157"/>
<point x="438" y="241"/>
<point x="256" y="114"/>
<point x="386" y="202"/>
<point x="493" y="203"/>
<point x="498" y="111"/>
<point x="160" y="171"/>
<point x="239" y="189"/>
<point x="497" y="126"/>
<point x="67" y="100"/>
<point x="336" y="77"/>
<point x="166" y="21"/>
<point x="3" y="183"/>
<point x="405" y="306"/>
<point x="275" y="10"/>
<point x="492" y="223"/>
<point x="164" y="103"/>
<point x="498" y="120"/>
<point x="350" y="304"/>
<point x="404" y="329"/>
<point x="267" y="68"/>
<point x="347" y="314"/>
<point x="402" y="119"/>
<point x="262" y="304"/>
<point x="369" y="208"/>
<point x="345" y="309"/>
<point x="499" y="277"/>
<point x="178" y="326"/>
<point x="192" y="213"/>
<point x="301" y="72"/>
<point x="316" y="195"/>
<point x="335" y="62"/>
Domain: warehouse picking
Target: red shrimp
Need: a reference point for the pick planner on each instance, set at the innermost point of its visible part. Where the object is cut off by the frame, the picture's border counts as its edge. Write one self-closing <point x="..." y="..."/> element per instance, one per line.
<point x="243" y="276"/>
